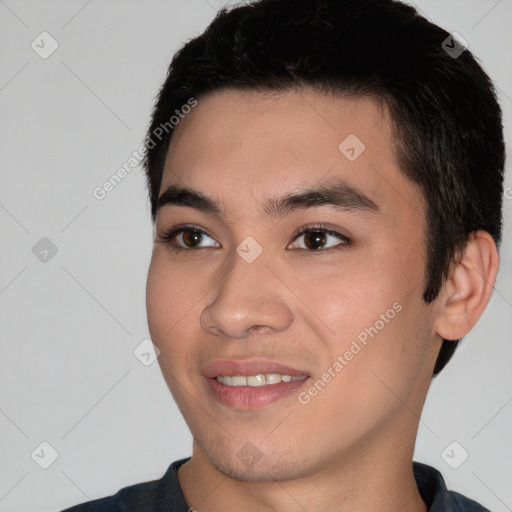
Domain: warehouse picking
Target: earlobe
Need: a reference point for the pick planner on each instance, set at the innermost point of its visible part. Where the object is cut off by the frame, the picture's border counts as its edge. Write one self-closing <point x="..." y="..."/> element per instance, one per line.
<point x="468" y="289"/>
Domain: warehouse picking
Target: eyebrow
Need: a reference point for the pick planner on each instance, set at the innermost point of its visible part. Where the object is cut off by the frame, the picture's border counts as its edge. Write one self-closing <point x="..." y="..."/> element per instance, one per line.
<point x="337" y="194"/>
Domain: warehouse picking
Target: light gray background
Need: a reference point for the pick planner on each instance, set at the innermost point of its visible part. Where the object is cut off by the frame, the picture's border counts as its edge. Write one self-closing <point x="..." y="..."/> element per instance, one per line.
<point x="68" y="375"/>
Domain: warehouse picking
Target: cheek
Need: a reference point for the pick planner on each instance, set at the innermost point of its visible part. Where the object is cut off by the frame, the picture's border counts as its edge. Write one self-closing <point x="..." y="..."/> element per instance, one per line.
<point x="167" y="306"/>
<point x="347" y="301"/>
<point x="158" y="303"/>
<point x="170" y="297"/>
<point x="377" y="323"/>
<point x="395" y="359"/>
<point x="166" y="314"/>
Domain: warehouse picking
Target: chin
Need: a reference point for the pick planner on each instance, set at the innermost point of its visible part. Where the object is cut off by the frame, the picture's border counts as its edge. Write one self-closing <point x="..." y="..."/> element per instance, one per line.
<point x="250" y="465"/>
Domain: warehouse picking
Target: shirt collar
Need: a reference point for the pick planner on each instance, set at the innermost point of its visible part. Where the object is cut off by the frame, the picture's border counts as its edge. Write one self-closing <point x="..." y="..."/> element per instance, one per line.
<point x="435" y="494"/>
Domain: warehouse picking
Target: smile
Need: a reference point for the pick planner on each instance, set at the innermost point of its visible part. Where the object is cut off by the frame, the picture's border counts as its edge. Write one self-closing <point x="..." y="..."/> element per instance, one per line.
<point x="246" y="384"/>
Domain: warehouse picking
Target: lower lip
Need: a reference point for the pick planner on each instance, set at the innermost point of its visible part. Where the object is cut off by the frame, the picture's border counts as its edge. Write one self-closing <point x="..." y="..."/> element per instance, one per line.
<point x="248" y="397"/>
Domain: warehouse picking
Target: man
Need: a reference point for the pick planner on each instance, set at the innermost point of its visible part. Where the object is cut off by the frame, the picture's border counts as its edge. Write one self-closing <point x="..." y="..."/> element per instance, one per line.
<point x="325" y="179"/>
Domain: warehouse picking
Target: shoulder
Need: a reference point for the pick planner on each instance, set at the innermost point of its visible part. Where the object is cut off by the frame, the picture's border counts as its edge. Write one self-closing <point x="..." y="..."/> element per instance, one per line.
<point x="466" y="504"/>
<point x="436" y="495"/>
<point x="101" y="505"/>
<point x="155" y="496"/>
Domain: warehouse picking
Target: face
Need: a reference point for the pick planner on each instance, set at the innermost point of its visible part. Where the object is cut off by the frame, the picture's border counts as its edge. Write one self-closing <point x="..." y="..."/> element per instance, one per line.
<point x="287" y="305"/>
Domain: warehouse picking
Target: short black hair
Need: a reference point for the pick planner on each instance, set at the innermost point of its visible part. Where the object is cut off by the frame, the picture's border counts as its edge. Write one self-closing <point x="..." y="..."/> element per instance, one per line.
<point x="447" y="121"/>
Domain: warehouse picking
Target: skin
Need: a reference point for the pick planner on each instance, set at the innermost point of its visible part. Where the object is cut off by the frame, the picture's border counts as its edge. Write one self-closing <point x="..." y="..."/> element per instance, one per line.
<point x="353" y="442"/>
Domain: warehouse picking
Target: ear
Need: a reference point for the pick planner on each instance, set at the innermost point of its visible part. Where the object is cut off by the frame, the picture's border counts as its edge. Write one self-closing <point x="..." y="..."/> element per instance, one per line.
<point x="467" y="290"/>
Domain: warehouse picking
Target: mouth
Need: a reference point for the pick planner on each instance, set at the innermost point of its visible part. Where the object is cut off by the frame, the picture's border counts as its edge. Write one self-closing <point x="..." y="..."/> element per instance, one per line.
<point x="251" y="384"/>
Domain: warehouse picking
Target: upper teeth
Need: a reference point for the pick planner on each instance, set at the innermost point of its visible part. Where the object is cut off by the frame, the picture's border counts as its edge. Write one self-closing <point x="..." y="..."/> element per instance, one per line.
<point x="262" y="379"/>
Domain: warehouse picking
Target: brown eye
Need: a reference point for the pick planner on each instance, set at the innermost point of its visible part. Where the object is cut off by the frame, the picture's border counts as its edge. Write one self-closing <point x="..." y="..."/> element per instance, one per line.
<point x="314" y="239"/>
<point x="183" y="238"/>
<point x="191" y="237"/>
<point x="320" y="239"/>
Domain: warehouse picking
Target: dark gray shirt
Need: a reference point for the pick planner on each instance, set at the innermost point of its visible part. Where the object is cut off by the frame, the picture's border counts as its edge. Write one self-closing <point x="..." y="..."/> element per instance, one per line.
<point x="165" y="495"/>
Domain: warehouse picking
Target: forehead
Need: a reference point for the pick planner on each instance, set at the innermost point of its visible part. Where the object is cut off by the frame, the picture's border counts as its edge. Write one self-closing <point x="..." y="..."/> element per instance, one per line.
<point x="244" y="147"/>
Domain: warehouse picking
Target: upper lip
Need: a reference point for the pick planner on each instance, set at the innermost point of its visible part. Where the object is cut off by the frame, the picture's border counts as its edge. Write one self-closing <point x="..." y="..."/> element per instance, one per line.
<point x="248" y="367"/>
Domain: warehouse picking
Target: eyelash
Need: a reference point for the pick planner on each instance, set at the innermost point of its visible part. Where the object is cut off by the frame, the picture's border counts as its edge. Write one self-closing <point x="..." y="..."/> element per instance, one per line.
<point x="168" y="236"/>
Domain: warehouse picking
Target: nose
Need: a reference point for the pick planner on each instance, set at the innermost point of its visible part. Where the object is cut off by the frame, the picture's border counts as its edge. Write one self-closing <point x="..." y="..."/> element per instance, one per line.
<point x="248" y="298"/>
